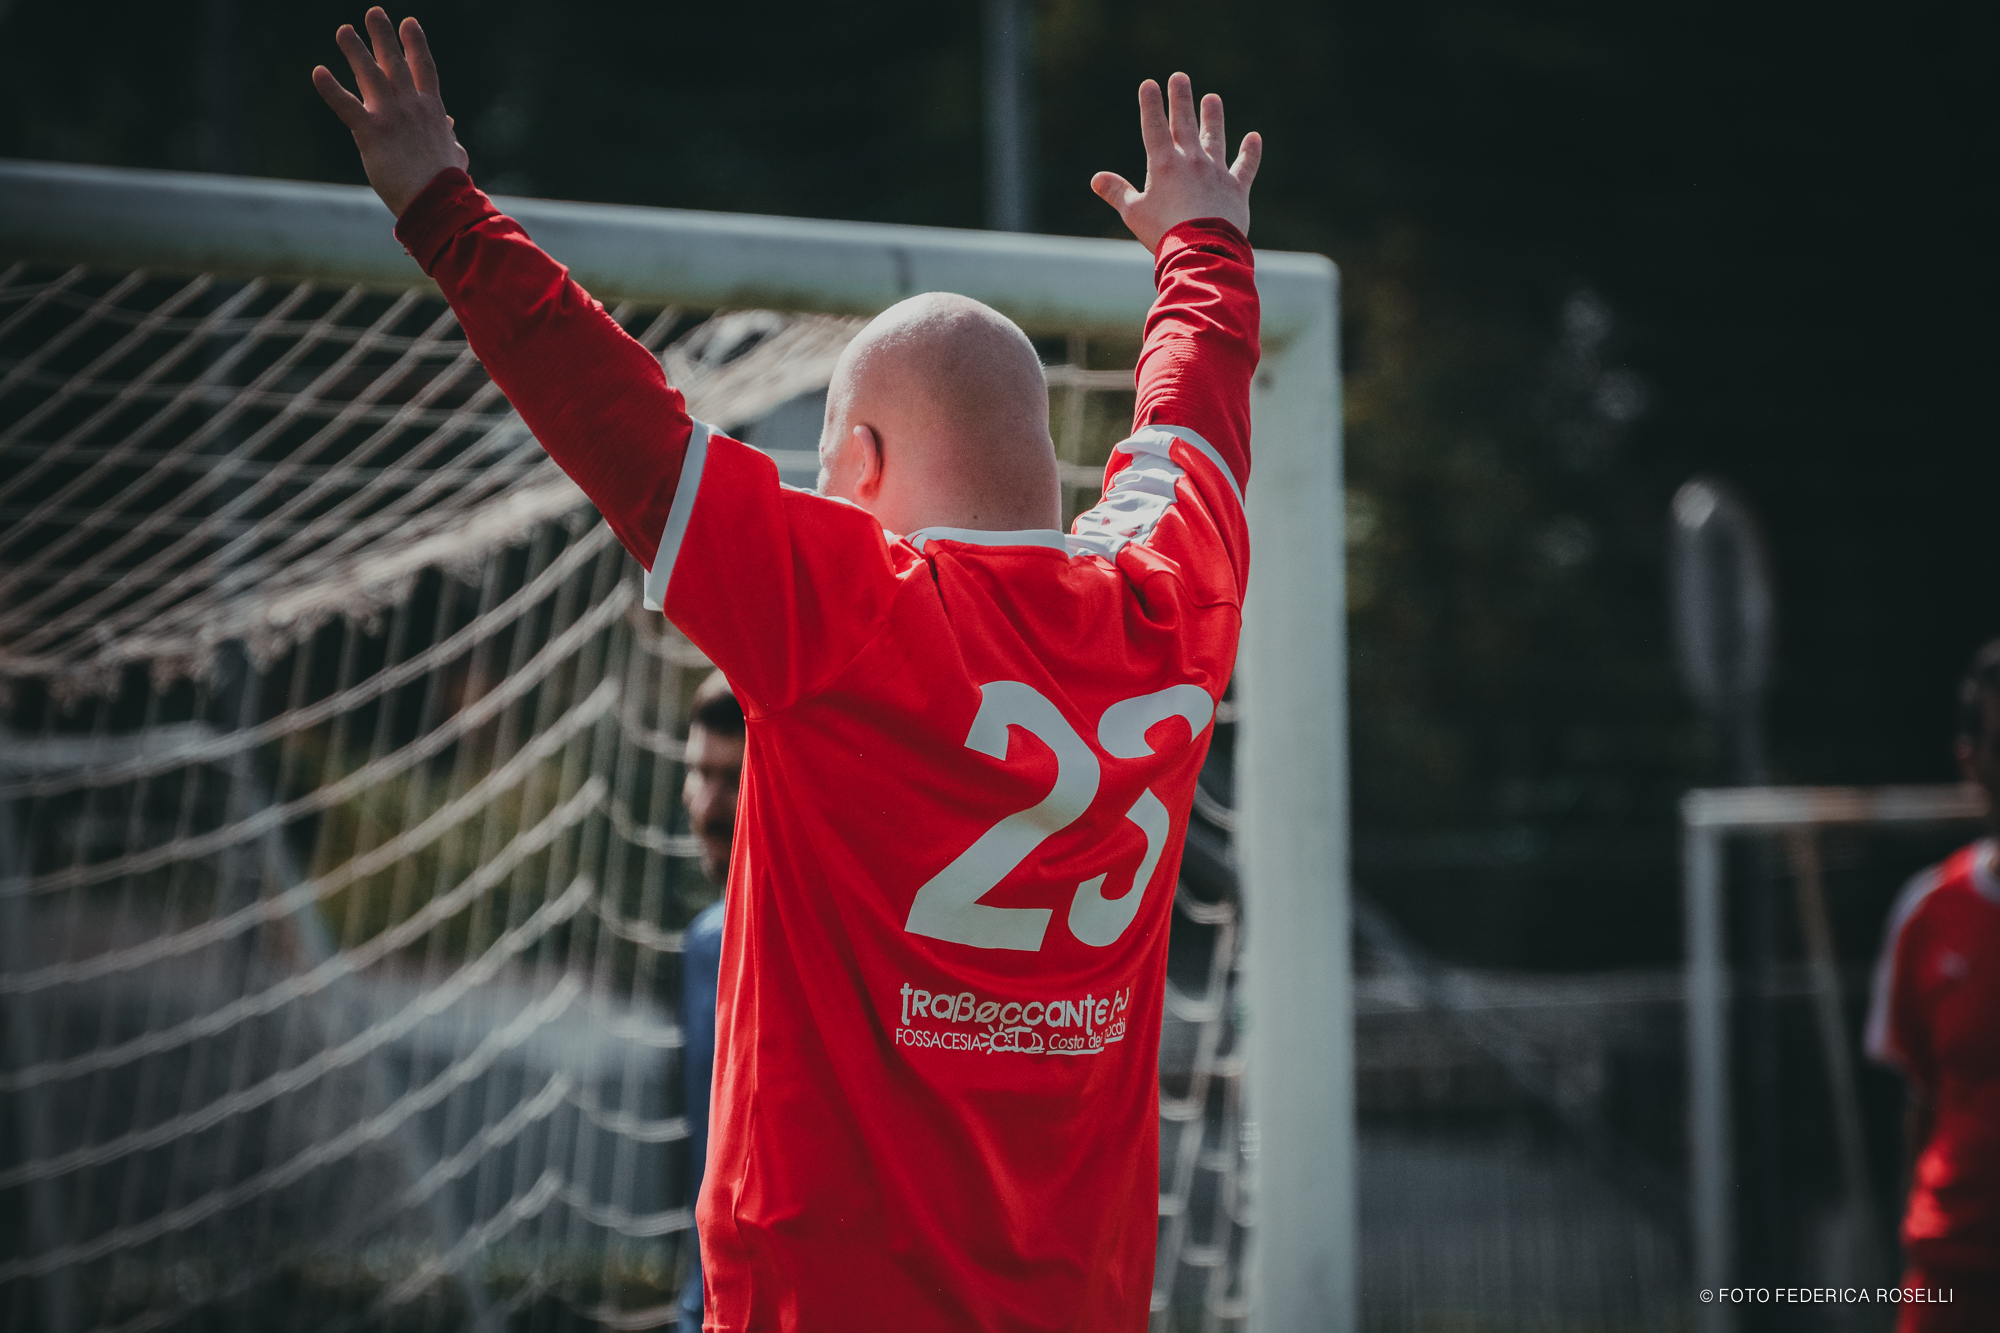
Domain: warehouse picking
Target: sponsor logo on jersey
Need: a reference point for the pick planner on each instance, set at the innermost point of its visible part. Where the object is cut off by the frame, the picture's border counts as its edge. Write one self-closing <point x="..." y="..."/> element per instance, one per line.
<point x="966" y="1021"/>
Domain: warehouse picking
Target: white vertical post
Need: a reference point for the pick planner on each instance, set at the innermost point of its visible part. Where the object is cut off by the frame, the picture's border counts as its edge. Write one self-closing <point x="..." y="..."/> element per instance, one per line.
<point x="1710" y="1155"/>
<point x="1292" y="836"/>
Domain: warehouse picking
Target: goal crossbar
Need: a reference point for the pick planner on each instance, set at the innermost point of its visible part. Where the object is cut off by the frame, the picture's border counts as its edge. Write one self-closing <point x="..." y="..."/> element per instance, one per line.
<point x="1292" y="832"/>
<point x="305" y="231"/>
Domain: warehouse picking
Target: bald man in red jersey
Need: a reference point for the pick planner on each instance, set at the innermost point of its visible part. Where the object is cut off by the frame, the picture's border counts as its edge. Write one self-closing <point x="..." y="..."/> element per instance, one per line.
<point x="972" y="737"/>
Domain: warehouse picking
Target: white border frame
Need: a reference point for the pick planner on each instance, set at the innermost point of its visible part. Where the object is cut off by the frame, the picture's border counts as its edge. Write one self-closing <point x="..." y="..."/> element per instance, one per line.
<point x="1293" y="712"/>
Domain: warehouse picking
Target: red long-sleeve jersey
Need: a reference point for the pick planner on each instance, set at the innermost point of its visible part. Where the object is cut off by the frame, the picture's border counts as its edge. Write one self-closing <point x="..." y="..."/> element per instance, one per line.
<point x="970" y="761"/>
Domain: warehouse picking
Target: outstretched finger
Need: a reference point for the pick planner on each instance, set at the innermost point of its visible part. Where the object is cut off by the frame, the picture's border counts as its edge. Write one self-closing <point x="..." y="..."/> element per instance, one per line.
<point x="388" y="51"/>
<point x="1153" y="131"/>
<point x="418" y="48"/>
<point x="1248" y="158"/>
<point x="1214" y="141"/>
<point x="345" y="104"/>
<point x="1114" y="190"/>
<point x="1180" y="111"/>
<point x="369" y="79"/>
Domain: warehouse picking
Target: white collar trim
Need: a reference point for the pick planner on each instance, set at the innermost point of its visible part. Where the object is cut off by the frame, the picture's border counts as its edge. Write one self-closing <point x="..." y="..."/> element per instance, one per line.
<point x="1048" y="537"/>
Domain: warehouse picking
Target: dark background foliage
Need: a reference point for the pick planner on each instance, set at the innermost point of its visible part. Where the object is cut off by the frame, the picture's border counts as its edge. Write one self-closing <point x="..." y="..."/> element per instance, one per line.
<point x="1587" y="250"/>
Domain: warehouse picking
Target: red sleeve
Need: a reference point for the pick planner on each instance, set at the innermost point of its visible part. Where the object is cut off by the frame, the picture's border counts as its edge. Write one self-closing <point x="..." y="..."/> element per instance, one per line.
<point x="1173" y="491"/>
<point x="597" y="400"/>
<point x="1201" y="339"/>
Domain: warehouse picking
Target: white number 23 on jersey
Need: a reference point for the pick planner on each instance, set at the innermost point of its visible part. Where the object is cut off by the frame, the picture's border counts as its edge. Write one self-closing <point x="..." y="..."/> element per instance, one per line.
<point x="948" y="907"/>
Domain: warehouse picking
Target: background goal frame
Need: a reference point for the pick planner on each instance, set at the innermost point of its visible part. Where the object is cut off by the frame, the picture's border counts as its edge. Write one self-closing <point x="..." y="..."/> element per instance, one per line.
<point x="1709" y="817"/>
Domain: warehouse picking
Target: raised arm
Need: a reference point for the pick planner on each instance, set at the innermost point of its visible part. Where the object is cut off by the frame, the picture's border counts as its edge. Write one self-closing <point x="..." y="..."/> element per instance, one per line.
<point x="1200" y="347"/>
<point x="597" y="400"/>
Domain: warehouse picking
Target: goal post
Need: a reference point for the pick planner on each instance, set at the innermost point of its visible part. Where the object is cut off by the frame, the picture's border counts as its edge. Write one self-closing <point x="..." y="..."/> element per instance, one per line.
<point x="1292" y="826"/>
<point x="1292" y="829"/>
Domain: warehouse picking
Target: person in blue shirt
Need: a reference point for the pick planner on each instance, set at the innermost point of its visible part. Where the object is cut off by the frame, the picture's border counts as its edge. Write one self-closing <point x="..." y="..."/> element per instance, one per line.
<point x="714" y="773"/>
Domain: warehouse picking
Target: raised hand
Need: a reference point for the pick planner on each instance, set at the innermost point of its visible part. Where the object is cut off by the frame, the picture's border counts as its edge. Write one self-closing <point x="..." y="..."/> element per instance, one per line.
<point x="1188" y="174"/>
<point x="399" y="122"/>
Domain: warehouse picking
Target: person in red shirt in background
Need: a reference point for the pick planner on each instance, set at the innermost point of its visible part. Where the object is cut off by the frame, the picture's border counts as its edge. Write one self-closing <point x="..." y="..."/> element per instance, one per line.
<point x="972" y="738"/>
<point x="1935" y="1017"/>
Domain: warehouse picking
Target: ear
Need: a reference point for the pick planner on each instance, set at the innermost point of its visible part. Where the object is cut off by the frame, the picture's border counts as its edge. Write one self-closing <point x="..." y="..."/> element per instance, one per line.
<point x="867" y="447"/>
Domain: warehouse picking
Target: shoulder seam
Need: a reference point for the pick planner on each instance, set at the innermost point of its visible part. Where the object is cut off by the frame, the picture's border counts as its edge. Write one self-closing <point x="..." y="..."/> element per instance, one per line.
<point x="693" y="464"/>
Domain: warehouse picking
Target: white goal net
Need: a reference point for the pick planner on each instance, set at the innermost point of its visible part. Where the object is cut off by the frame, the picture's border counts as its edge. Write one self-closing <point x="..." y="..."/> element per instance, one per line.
<point x="342" y="868"/>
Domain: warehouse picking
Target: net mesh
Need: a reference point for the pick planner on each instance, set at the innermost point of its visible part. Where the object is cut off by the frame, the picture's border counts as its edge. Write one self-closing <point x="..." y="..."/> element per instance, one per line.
<point x="1516" y="1147"/>
<point x="342" y="868"/>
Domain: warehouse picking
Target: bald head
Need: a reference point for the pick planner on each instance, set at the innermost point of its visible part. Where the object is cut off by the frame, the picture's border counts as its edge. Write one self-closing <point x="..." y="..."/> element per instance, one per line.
<point x="938" y="416"/>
